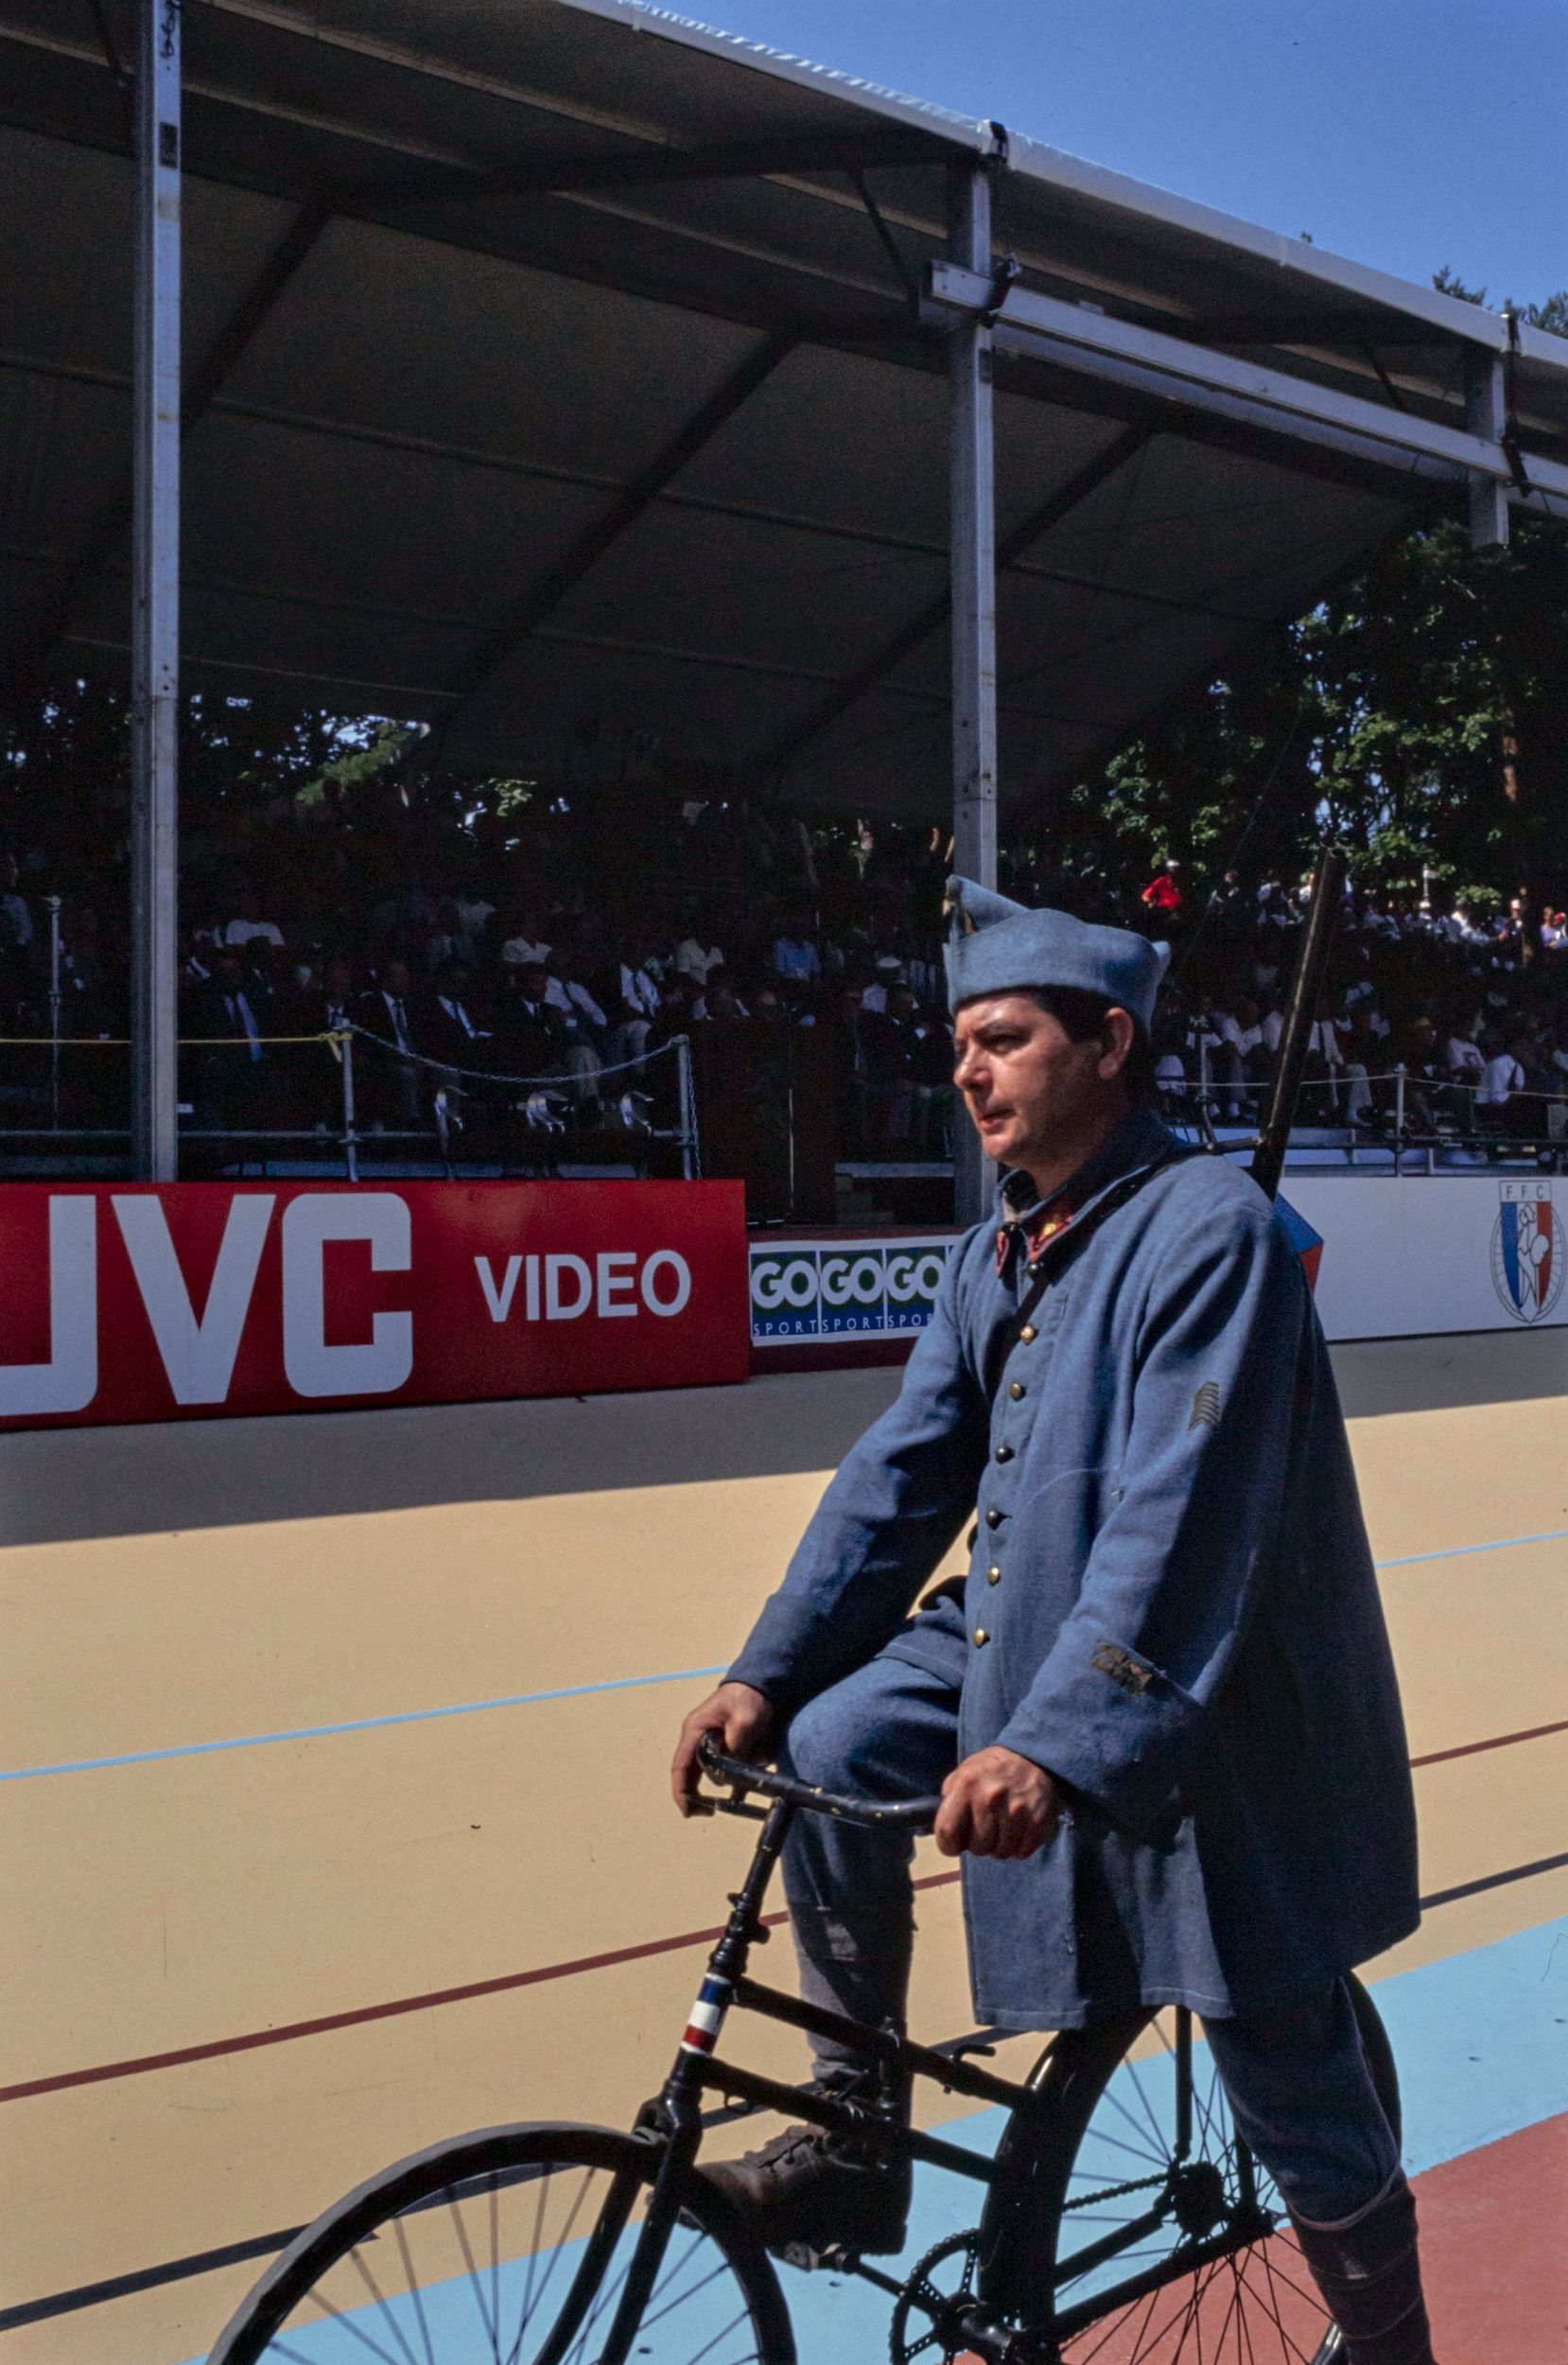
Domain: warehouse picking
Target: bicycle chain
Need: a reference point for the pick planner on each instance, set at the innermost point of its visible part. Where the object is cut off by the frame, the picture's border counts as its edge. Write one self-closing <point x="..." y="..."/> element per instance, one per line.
<point x="1113" y="2192"/>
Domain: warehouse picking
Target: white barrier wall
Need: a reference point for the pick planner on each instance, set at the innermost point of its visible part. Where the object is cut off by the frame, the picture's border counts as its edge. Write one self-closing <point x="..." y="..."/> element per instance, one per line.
<point x="1402" y="1258"/>
<point x="1407" y="1256"/>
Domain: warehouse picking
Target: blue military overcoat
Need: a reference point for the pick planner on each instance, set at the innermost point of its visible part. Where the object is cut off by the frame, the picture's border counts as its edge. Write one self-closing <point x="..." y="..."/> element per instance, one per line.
<point x="1170" y="1604"/>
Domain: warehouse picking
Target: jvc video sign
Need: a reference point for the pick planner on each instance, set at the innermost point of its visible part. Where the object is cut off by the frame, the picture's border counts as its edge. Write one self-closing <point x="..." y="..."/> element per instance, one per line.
<point x="845" y="1288"/>
<point x="120" y="1304"/>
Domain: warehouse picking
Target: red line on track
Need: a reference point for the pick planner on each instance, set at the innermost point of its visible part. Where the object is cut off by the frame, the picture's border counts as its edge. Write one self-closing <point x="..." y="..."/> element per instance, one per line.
<point x="253" y="2038"/>
<point x="1470" y="1748"/>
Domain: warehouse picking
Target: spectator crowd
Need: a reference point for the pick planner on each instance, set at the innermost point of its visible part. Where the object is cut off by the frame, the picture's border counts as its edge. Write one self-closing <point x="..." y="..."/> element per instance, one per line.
<point x="535" y="986"/>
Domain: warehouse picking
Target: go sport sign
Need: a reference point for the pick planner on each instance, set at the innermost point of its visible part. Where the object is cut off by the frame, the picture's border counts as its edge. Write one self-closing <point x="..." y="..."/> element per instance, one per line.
<point x="845" y="1288"/>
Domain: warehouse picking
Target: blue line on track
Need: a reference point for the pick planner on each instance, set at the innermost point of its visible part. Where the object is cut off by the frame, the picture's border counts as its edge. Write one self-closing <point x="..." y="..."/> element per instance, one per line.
<point x="535" y="1699"/>
<point x="1458" y="1551"/>
<point x="359" y="1725"/>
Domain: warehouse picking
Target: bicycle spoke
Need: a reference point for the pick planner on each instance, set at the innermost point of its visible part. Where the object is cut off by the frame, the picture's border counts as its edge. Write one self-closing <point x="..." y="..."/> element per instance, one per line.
<point x="556" y="2250"/>
<point x="382" y="2302"/>
<point x="708" y="2347"/>
<point x="1117" y="2104"/>
<point x="1144" y="2099"/>
<point x="355" y="2331"/>
<point x="533" y="2255"/>
<point x="414" y="2294"/>
<point x="454" y="2211"/>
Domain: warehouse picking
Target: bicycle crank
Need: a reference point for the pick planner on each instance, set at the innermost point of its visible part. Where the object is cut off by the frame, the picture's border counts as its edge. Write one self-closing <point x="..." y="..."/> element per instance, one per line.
<point x="938" y="2317"/>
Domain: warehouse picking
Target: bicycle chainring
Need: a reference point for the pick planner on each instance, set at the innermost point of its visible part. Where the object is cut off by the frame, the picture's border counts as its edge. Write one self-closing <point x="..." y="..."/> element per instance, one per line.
<point x="923" y="2324"/>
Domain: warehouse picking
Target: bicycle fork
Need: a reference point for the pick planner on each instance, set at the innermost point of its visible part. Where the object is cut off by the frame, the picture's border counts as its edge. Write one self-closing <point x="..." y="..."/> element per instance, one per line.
<point x="675" y="2119"/>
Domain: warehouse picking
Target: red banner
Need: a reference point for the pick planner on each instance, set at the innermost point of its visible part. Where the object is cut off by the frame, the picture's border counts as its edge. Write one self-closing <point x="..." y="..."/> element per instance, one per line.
<point x="127" y="1303"/>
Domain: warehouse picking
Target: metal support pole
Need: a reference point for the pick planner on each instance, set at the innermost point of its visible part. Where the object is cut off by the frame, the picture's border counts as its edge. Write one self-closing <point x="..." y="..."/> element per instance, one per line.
<point x="351" y="1139"/>
<point x="1400" y="1072"/>
<point x="53" y="904"/>
<point x="690" y="1161"/>
<point x="972" y="505"/>
<point x="155" y="601"/>
<point x="1486" y="414"/>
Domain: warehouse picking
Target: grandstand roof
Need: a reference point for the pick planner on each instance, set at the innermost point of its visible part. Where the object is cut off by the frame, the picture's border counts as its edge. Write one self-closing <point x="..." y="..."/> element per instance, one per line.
<point x="556" y="358"/>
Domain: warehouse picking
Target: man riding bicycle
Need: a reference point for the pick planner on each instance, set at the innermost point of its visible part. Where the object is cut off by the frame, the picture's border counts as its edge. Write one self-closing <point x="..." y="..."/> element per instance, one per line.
<point x="1161" y="1708"/>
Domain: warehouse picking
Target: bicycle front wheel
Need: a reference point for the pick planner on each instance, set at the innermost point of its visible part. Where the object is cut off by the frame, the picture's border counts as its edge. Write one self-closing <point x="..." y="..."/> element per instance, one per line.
<point x="511" y="2247"/>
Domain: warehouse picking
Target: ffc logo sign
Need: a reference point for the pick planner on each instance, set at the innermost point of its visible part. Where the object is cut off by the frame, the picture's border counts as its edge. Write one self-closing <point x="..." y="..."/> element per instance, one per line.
<point x="1527" y="1252"/>
<point x="819" y="1290"/>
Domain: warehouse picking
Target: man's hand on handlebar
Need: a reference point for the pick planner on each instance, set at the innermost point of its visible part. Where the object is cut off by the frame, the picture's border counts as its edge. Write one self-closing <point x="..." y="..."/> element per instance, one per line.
<point x="997" y="1804"/>
<point x="745" y="1722"/>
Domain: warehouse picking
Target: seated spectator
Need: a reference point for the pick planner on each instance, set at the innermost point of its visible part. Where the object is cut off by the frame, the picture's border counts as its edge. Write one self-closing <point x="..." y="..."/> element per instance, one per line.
<point x="721" y="1006"/>
<point x="1466" y="1062"/>
<point x="796" y="956"/>
<point x="639" y="1004"/>
<point x="696" y="958"/>
<point x="16" y="922"/>
<point x="329" y="1005"/>
<point x="525" y="943"/>
<point x="1362" y="1054"/>
<point x="453" y="1027"/>
<point x="538" y="1041"/>
<point x="933" y="1096"/>
<point x="396" y="1086"/>
<point x="1502" y="1077"/>
<point x="1253" y="1051"/>
<point x="230" y="1085"/>
<point x="568" y="995"/>
<point x="247" y="922"/>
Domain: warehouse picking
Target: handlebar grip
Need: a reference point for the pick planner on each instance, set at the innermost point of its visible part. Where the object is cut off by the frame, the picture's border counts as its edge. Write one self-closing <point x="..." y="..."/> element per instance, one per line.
<point x="906" y="1814"/>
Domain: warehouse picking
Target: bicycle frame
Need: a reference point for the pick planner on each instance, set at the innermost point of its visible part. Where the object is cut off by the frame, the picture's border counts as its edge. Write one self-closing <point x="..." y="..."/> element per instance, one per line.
<point x="1014" y="2273"/>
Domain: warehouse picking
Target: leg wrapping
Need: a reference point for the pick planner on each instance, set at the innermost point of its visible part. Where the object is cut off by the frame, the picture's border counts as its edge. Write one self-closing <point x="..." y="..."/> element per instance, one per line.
<point x="1367" y="2268"/>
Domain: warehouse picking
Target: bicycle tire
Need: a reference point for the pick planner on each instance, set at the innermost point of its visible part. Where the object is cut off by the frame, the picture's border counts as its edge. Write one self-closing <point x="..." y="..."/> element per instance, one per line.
<point x="1071" y="2081"/>
<point x="266" y="2329"/>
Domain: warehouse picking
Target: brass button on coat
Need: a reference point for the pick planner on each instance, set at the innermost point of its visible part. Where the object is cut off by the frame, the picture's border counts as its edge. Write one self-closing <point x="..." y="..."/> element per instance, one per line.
<point x="981" y="1635"/>
<point x="1028" y="1334"/>
<point x="1016" y="1390"/>
<point x="1005" y="1453"/>
<point x="993" y="1574"/>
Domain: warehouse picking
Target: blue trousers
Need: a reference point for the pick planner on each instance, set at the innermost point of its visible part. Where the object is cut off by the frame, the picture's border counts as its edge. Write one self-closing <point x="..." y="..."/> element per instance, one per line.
<point x="1297" y="2078"/>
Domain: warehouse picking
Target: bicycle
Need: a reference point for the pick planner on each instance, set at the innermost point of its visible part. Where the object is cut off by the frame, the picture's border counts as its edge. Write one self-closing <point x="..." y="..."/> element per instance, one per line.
<point x="1123" y="2221"/>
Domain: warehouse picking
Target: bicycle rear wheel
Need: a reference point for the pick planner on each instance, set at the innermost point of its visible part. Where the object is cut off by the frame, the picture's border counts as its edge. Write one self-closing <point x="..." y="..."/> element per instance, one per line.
<point x="511" y="2247"/>
<point x="1183" y="2290"/>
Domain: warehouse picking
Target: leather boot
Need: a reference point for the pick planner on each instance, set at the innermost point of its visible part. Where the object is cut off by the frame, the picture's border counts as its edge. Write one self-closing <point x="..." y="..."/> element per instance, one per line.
<point x="1368" y="2269"/>
<point x="811" y="2191"/>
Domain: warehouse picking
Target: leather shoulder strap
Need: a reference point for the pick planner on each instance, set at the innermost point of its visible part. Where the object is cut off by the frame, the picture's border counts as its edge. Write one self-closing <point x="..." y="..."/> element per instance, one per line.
<point x="1006" y="1339"/>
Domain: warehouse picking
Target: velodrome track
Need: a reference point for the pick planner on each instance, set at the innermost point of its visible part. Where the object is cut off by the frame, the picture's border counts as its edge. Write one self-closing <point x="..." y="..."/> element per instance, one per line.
<point x="333" y="1813"/>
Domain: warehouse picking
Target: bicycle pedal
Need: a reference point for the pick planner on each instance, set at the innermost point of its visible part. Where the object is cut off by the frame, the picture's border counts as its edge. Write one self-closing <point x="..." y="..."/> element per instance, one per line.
<point x="808" y="2259"/>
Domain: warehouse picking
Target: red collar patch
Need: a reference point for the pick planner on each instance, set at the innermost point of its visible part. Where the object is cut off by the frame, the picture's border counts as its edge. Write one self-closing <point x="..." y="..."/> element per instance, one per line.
<point x="1055" y="1220"/>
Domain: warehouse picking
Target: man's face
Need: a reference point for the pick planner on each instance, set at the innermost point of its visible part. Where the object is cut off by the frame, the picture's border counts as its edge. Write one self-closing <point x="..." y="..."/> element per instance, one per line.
<point x="1027" y="1085"/>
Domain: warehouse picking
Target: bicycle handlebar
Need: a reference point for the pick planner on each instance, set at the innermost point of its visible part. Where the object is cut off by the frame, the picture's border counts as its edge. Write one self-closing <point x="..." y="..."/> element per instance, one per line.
<point x="907" y="1814"/>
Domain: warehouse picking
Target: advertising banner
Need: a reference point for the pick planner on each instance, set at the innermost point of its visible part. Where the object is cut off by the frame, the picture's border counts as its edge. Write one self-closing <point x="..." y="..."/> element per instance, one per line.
<point x="809" y="1289"/>
<point x="1388" y="1257"/>
<point x="120" y="1303"/>
<point x="1419" y="1254"/>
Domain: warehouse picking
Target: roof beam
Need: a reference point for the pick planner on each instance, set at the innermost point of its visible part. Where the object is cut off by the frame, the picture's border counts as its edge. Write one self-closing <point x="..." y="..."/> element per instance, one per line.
<point x="658" y="166"/>
<point x="1098" y="346"/>
<point x="200" y="392"/>
<point x="547" y="595"/>
<point x="930" y="618"/>
<point x="1303" y="328"/>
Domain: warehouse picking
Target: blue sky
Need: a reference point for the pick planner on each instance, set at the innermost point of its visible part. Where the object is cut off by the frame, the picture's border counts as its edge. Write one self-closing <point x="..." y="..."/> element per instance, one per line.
<point x="1407" y="134"/>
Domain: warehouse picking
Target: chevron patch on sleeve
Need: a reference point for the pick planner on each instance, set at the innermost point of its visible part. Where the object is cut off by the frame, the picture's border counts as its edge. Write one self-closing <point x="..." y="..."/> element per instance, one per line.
<point x="1205" y="1407"/>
